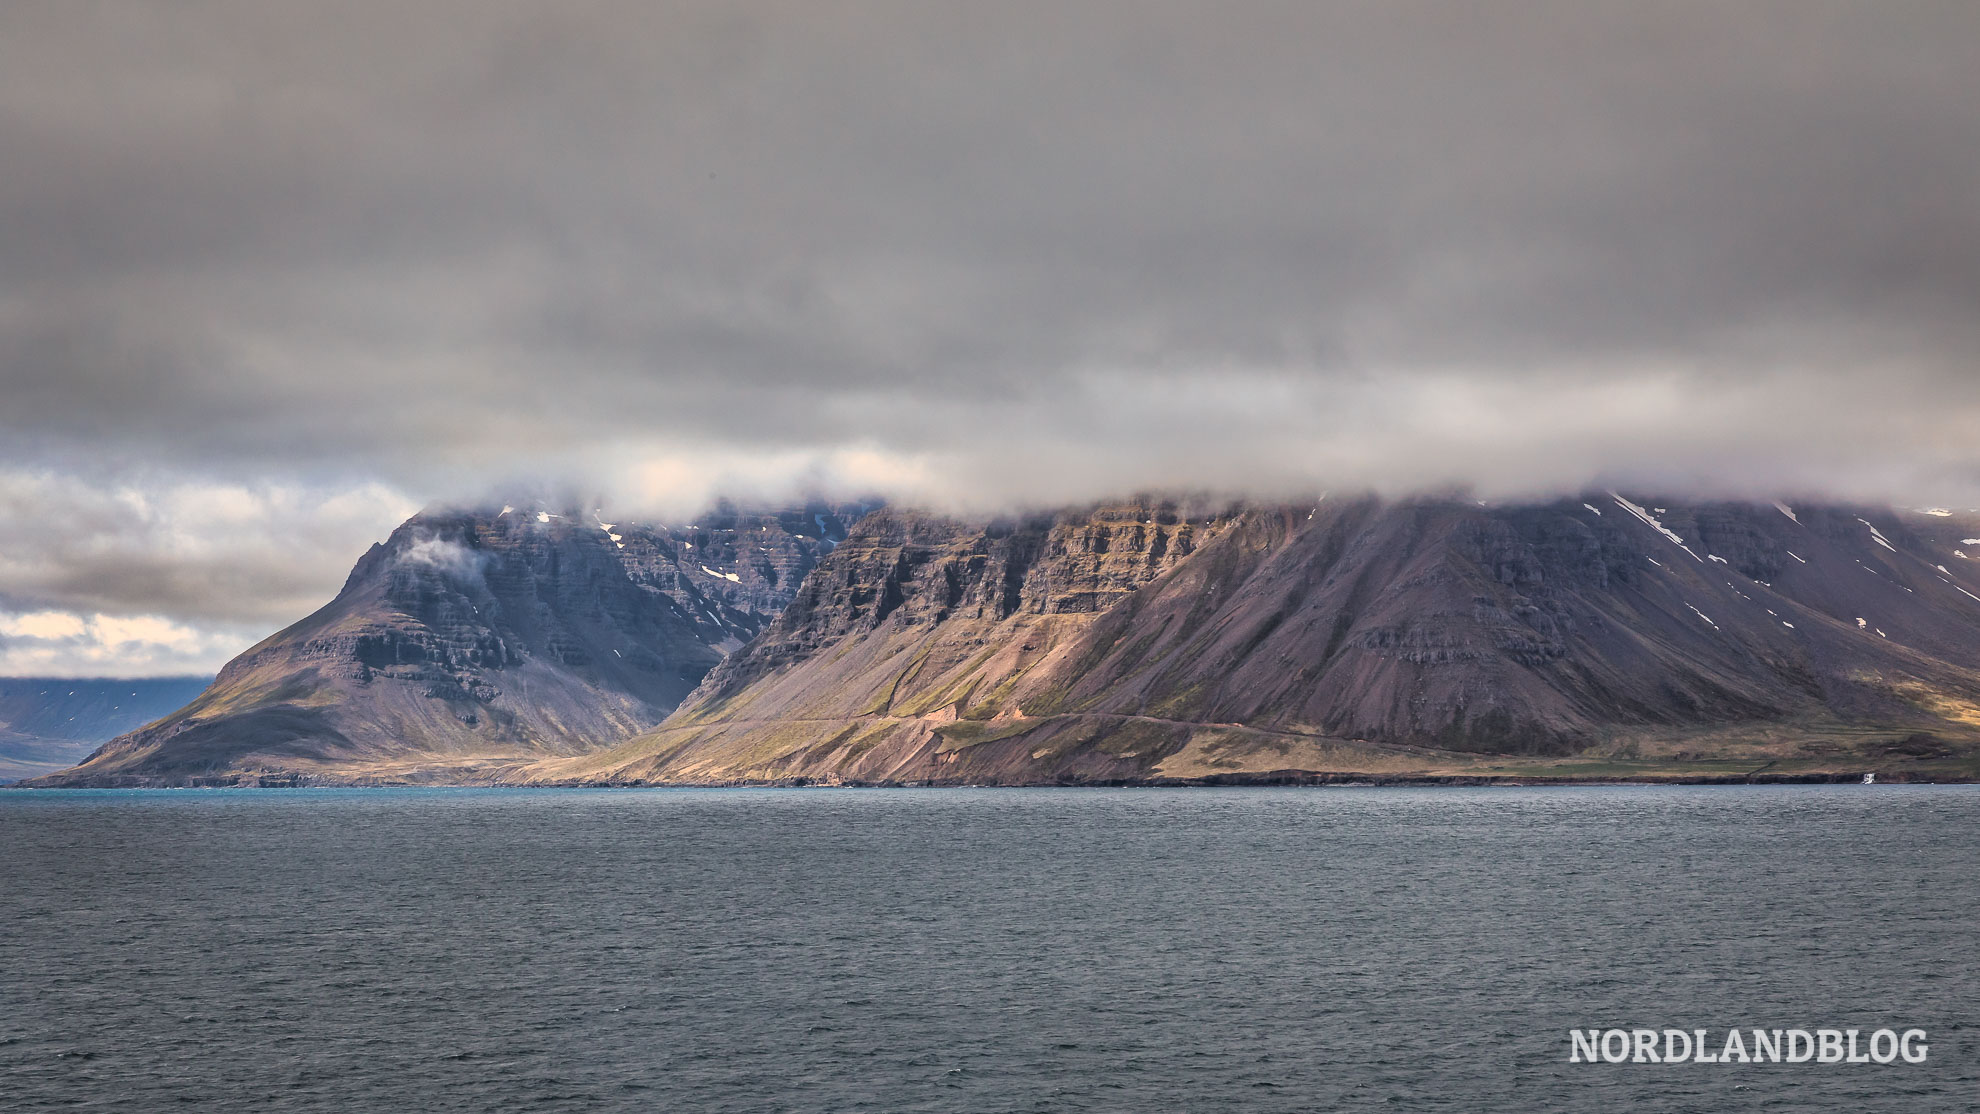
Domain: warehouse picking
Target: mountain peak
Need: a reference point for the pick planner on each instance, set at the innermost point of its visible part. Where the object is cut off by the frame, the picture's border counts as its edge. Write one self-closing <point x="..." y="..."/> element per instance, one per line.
<point x="475" y="639"/>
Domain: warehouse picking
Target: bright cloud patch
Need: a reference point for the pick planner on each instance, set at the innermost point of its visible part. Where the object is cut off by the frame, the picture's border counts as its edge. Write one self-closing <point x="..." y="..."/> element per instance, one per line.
<point x="68" y="644"/>
<point x="44" y="625"/>
<point x="169" y="576"/>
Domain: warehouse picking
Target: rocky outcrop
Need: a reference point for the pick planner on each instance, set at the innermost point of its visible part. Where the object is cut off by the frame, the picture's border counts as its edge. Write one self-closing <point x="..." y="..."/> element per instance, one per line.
<point x="472" y="641"/>
<point x="1143" y="641"/>
<point x="921" y="573"/>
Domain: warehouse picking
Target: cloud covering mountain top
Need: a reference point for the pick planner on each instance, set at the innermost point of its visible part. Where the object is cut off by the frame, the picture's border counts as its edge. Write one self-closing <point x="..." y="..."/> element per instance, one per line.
<point x="971" y="255"/>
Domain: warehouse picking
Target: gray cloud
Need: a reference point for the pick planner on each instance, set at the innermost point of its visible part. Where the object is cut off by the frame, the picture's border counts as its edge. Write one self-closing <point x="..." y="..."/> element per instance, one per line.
<point x="970" y="254"/>
<point x="160" y="576"/>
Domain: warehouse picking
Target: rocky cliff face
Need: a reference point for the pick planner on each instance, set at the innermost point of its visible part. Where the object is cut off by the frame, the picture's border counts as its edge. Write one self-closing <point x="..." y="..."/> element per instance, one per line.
<point x="474" y="640"/>
<point x="921" y="572"/>
<point x="1348" y="637"/>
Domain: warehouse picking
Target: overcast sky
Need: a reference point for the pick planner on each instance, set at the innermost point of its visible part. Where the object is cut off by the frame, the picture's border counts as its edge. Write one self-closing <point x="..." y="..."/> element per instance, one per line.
<point x="272" y="275"/>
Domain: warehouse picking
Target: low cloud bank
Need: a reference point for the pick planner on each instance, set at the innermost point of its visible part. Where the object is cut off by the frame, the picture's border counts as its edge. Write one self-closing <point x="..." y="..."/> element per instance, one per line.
<point x="277" y="275"/>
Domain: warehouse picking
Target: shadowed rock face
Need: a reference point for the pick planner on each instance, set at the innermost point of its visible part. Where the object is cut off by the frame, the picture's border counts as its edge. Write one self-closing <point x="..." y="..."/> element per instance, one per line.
<point x="474" y="640"/>
<point x="1149" y="640"/>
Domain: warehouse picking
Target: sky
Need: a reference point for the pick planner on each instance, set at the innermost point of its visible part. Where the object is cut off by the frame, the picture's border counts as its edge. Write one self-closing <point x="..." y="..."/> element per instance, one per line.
<point x="276" y="274"/>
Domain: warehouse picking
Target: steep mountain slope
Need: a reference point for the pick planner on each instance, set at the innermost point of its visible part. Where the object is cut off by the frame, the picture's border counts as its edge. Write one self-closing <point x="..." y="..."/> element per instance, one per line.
<point x="474" y="640"/>
<point x="49" y="723"/>
<point x="1605" y="636"/>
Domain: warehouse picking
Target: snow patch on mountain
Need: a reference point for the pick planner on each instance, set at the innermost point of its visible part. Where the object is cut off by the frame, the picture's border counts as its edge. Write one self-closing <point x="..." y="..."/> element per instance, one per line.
<point x="1651" y="521"/>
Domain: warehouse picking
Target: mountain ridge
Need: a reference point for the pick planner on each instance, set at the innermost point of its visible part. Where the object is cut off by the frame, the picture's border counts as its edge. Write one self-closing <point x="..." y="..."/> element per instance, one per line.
<point x="1428" y="638"/>
<point x="1150" y="640"/>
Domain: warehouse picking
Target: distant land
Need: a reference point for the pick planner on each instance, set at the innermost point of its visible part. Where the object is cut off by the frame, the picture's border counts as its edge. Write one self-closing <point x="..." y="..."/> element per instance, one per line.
<point x="51" y="723"/>
<point x="1611" y="636"/>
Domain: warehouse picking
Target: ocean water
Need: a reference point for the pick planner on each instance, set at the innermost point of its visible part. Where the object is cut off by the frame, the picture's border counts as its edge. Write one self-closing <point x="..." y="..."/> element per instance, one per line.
<point x="976" y="950"/>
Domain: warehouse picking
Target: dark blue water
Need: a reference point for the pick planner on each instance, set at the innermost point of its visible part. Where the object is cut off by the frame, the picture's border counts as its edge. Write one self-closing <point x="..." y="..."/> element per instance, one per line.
<point x="964" y="950"/>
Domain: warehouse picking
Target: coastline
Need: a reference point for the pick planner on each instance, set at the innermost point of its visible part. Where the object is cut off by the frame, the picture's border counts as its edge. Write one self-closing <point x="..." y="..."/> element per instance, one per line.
<point x="1279" y="779"/>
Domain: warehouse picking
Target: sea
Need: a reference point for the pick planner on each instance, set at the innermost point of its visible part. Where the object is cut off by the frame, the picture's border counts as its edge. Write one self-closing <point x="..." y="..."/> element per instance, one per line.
<point x="961" y="950"/>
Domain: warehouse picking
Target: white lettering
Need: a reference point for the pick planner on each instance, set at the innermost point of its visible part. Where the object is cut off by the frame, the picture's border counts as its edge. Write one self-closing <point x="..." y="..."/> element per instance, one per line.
<point x="1747" y="1046"/>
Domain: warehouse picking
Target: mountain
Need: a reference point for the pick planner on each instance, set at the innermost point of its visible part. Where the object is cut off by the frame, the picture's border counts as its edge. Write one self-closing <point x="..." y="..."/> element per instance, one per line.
<point x="1603" y="636"/>
<point x="48" y="723"/>
<point x="1611" y="635"/>
<point x="472" y="641"/>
